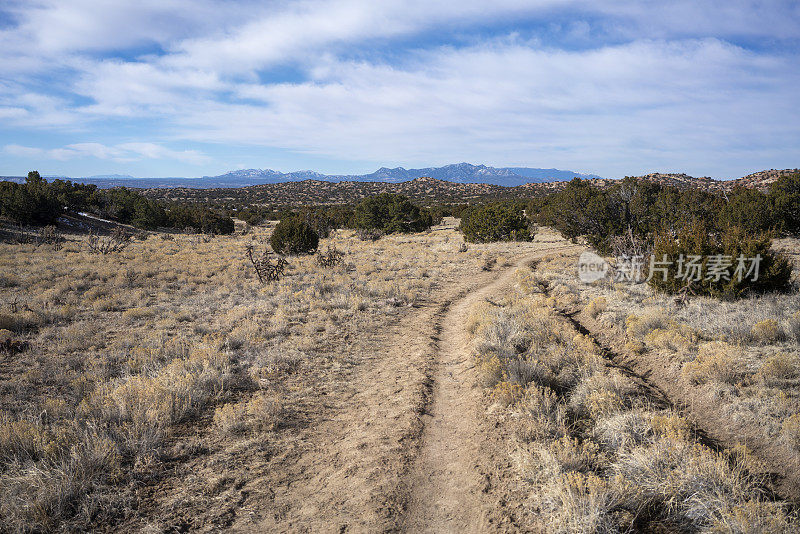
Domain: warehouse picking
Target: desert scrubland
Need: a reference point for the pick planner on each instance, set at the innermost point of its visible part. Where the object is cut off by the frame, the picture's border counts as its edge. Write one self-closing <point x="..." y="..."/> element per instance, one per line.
<point x="391" y="379"/>
<point x="124" y="365"/>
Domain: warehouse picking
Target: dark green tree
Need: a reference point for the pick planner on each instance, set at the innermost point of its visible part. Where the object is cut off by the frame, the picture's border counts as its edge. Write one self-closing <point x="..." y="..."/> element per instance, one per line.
<point x="784" y="195"/>
<point x="675" y="250"/>
<point x="495" y="222"/>
<point x="749" y="210"/>
<point x="293" y="235"/>
<point x="390" y="213"/>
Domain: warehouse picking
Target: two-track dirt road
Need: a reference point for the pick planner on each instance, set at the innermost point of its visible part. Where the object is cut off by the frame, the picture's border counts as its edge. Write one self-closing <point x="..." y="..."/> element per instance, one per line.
<point x="397" y="443"/>
<point x="407" y="449"/>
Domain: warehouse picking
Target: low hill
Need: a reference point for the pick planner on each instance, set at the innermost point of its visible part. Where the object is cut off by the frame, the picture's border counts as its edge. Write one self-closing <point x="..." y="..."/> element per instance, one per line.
<point x="427" y="190"/>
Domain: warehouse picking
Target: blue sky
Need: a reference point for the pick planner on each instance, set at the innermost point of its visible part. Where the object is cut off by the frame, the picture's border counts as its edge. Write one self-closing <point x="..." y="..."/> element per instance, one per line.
<point x="199" y="87"/>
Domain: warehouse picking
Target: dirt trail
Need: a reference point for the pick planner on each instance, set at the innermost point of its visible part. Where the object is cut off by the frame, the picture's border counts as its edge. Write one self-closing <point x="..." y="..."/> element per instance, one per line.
<point x="448" y="492"/>
<point x="393" y="445"/>
<point x="401" y="452"/>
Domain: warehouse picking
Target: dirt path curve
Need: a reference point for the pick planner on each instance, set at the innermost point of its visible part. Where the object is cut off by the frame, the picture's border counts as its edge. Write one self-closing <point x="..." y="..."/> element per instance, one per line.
<point x="397" y="452"/>
<point x="394" y="443"/>
<point x="448" y="492"/>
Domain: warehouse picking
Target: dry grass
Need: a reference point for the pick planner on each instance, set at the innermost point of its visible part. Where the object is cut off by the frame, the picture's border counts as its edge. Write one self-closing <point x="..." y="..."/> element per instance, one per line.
<point x="123" y="347"/>
<point x="741" y="357"/>
<point x="594" y="453"/>
<point x="716" y="361"/>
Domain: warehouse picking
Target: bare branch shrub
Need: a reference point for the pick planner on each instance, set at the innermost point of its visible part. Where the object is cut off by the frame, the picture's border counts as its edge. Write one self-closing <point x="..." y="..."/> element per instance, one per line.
<point x="369" y="234"/>
<point x="50" y="235"/>
<point x="266" y="270"/>
<point x="116" y="242"/>
<point x="331" y="257"/>
<point x="628" y="245"/>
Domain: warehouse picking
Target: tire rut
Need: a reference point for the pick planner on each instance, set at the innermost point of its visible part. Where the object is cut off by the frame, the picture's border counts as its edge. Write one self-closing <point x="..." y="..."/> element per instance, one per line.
<point x="774" y="490"/>
<point x="450" y="482"/>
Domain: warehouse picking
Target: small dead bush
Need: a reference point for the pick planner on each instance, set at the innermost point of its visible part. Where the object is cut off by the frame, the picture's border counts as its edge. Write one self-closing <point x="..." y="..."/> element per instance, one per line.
<point x="639" y="326"/>
<point x="266" y="410"/>
<point x="116" y="242"/>
<point x="369" y="234"/>
<point x="577" y="502"/>
<point x="331" y="257"/>
<point x="778" y="367"/>
<point x="231" y="418"/>
<point x="790" y="429"/>
<point x="596" y="307"/>
<point x="50" y="235"/>
<point x="9" y="345"/>
<point x="266" y="269"/>
<point x="793" y="327"/>
<point x="619" y="431"/>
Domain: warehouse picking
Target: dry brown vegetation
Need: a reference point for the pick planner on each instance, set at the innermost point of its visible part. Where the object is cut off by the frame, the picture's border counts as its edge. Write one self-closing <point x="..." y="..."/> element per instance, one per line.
<point x="599" y="450"/>
<point x="738" y="362"/>
<point x="126" y="352"/>
<point x="152" y="387"/>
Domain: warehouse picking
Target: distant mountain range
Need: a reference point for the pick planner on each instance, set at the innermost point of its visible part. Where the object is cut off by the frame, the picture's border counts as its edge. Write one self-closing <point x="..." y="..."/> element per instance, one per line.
<point x="463" y="173"/>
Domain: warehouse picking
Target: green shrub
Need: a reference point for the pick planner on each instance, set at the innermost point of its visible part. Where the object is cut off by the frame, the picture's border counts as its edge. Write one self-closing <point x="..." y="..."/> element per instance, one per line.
<point x="390" y="214"/>
<point x="495" y="222"/>
<point x="30" y="203"/>
<point x="294" y="236"/>
<point x="785" y="197"/>
<point x="748" y="209"/>
<point x="200" y="218"/>
<point x="319" y="219"/>
<point x="774" y="272"/>
<point x="581" y="209"/>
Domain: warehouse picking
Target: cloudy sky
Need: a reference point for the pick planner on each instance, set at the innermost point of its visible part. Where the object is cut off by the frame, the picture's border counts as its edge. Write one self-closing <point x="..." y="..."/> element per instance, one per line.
<point x="199" y="87"/>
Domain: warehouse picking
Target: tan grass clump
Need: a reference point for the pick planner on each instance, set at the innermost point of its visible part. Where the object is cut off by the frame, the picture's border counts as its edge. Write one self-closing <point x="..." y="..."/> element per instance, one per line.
<point x="779" y="367"/>
<point x="767" y="331"/>
<point x="576" y="502"/>
<point x="790" y="430"/>
<point x="137" y="314"/>
<point x="506" y="393"/>
<point x="230" y="418"/>
<point x="600" y="394"/>
<point x="545" y="415"/>
<point x="624" y="430"/>
<point x="596" y="306"/>
<point x="715" y="362"/>
<point x="266" y="410"/>
<point x="670" y="426"/>
<point x="753" y="517"/>
<point x="491" y="370"/>
<point x="638" y="326"/>
<point x="675" y="338"/>
<point x="793" y="327"/>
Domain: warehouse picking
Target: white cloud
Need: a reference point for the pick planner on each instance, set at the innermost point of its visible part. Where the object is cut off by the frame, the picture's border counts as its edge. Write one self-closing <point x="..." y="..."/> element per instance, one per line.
<point x="674" y="91"/>
<point x="154" y="151"/>
<point x="125" y="152"/>
<point x="652" y="101"/>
